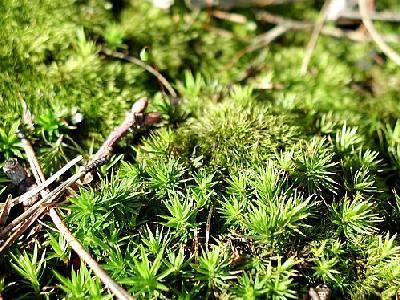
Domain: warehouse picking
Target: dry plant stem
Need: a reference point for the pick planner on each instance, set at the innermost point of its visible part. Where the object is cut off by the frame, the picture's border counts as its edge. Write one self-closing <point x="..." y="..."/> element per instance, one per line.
<point x="33" y="192"/>
<point x="106" y="148"/>
<point x="21" y="228"/>
<point x="196" y="244"/>
<point x="356" y="36"/>
<point x="27" y="116"/>
<point x="259" y="42"/>
<point x="228" y="4"/>
<point x="385" y="16"/>
<point x="275" y="19"/>
<point x="232" y="17"/>
<point x="5" y="210"/>
<point x="208" y="226"/>
<point x="313" y="294"/>
<point x="275" y="2"/>
<point x="117" y="290"/>
<point x="33" y="162"/>
<point x="23" y="222"/>
<point x="99" y="158"/>
<point x="393" y="55"/>
<point x="49" y="198"/>
<point x="222" y="32"/>
<point x="328" y="31"/>
<point x="145" y="66"/>
<point x="314" y="37"/>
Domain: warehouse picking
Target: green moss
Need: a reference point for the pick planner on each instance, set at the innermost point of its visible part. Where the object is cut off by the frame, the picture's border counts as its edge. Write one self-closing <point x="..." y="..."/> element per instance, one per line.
<point x="258" y="182"/>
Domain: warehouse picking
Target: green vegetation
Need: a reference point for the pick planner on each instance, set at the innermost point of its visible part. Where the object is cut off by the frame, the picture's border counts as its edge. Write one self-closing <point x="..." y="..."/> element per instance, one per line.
<point x="297" y="184"/>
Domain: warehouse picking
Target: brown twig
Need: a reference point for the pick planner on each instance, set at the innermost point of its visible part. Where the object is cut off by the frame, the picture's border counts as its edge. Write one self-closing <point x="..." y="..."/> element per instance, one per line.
<point x="259" y="42"/>
<point x="328" y="31"/>
<point x="196" y="244"/>
<point x="36" y="190"/>
<point x="385" y="16"/>
<point x="20" y="228"/>
<point x="393" y="55"/>
<point x="33" y="162"/>
<point x="116" y="289"/>
<point x="5" y="210"/>
<point x="227" y="16"/>
<point x="228" y="4"/>
<point x="135" y="117"/>
<point x="143" y="65"/>
<point x="275" y="19"/>
<point x="208" y="226"/>
<point x="221" y="32"/>
<point x="49" y="198"/>
<point x="102" y="153"/>
<point x="27" y="117"/>
<point x="314" y="37"/>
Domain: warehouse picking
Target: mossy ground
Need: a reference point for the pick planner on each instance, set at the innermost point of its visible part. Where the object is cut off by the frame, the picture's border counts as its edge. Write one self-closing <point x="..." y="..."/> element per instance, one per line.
<point x="297" y="184"/>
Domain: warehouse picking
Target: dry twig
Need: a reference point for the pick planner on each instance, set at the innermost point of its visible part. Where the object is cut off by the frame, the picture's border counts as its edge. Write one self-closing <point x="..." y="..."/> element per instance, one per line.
<point x="5" y="210"/>
<point x="385" y="16"/>
<point x="114" y="287"/>
<point x="352" y="35"/>
<point x="259" y="42"/>
<point x="393" y="55"/>
<point x="135" y="117"/>
<point x="228" y="4"/>
<point x="208" y="226"/>
<point x="118" y="291"/>
<point x="37" y="189"/>
<point x="227" y="16"/>
<point x="314" y="37"/>
<point x="145" y="66"/>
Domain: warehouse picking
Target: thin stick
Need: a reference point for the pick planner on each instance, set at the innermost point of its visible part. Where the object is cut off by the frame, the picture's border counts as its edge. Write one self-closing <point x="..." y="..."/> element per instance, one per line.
<point x="20" y="229"/>
<point x="354" y="35"/>
<point x="28" y="217"/>
<point x="232" y="17"/>
<point x="222" y="32"/>
<point x="33" y="192"/>
<point x="208" y="226"/>
<point x="50" y="197"/>
<point x="274" y="19"/>
<point x="196" y="244"/>
<point x="228" y="4"/>
<point x="393" y="55"/>
<point x="259" y="42"/>
<point x="314" y="37"/>
<point x="33" y="162"/>
<point x="266" y="38"/>
<point x="117" y="290"/>
<point x="329" y="31"/>
<point x="27" y="116"/>
<point x="145" y="66"/>
<point x="99" y="158"/>
<point x="385" y="16"/>
<point x="5" y="210"/>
